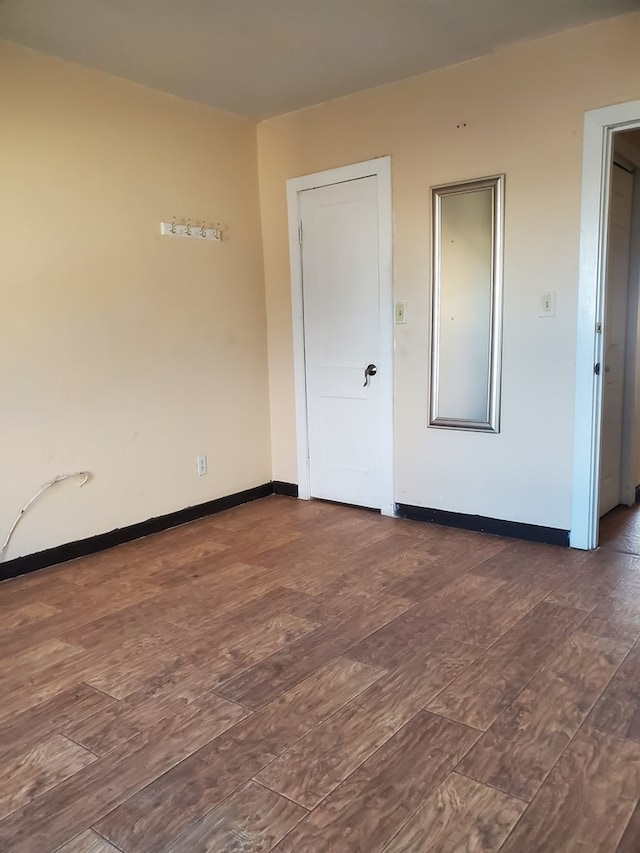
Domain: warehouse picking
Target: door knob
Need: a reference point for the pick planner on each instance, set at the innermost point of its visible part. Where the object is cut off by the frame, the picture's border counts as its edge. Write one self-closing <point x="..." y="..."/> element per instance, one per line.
<point x="370" y="370"/>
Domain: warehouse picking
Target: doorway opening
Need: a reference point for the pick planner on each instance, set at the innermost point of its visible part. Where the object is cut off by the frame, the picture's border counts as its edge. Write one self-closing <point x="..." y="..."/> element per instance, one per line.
<point x="607" y="406"/>
<point x="619" y="513"/>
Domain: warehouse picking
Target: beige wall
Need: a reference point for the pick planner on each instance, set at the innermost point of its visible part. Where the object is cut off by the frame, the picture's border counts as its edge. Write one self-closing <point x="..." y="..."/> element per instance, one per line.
<point x="523" y="109"/>
<point x="121" y="352"/>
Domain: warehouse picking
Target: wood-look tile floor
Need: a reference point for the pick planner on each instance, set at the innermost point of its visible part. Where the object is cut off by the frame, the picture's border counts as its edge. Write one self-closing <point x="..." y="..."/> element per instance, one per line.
<point x="303" y="677"/>
<point x="620" y="529"/>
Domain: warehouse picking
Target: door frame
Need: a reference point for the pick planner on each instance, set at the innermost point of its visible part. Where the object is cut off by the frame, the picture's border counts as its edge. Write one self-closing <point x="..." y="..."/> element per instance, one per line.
<point x="599" y="127"/>
<point x="380" y="168"/>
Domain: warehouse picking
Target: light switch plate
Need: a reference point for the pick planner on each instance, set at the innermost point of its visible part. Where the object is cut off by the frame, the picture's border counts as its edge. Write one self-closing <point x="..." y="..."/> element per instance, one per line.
<point x="547" y="304"/>
<point x="401" y="312"/>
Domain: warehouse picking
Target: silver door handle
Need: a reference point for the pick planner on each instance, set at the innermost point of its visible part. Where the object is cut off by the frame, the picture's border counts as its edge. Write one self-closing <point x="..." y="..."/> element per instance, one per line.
<point x="370" y="370"/>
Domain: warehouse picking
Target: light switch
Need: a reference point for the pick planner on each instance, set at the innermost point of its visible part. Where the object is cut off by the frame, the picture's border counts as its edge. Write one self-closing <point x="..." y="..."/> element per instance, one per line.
<point x="547" y="304"/>
<point x="401" y="312"/>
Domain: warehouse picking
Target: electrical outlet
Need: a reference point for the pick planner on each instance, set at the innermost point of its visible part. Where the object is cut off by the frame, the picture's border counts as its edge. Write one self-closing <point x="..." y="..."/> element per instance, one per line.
<point x="401" y="312"/>
<point x="201" y="463"/>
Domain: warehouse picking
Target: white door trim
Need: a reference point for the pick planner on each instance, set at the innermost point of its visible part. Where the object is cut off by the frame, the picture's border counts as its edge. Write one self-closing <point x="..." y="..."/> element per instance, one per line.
<point x="380" y="168"/>
<point x="599" y="126"/>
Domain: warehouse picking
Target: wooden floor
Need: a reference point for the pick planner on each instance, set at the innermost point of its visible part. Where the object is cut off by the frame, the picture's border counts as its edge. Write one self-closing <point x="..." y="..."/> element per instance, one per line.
<point x="300" y="677"/>
<point x="620" y="530"/>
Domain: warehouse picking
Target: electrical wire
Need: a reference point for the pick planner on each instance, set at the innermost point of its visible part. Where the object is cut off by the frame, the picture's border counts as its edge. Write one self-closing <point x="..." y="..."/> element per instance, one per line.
<point x="80" y="477"/>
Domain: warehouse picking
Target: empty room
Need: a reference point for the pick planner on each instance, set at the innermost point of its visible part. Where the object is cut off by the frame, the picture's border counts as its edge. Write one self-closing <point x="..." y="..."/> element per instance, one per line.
<point x="320" y="419"/>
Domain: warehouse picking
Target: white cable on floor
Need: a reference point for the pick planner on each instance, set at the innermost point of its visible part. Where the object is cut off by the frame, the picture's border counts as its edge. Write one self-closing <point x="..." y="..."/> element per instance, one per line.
<point x="80" y="477"/>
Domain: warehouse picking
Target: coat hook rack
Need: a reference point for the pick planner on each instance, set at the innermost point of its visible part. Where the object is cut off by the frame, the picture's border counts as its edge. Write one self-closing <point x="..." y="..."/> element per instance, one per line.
<point x="194" y="232"/>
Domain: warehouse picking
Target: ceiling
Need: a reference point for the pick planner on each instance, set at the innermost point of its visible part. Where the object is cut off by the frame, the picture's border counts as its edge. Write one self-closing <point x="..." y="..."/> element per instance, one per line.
<point x="259" y="58"/>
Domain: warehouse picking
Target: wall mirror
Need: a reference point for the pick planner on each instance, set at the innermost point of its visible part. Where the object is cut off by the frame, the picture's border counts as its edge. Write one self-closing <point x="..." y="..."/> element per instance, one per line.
<point x="466" y="304"/>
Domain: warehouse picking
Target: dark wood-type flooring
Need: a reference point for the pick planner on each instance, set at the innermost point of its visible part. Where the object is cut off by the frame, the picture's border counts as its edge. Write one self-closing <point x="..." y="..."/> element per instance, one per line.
<point x="298" y="676"/>
<point x="620" y="530"/>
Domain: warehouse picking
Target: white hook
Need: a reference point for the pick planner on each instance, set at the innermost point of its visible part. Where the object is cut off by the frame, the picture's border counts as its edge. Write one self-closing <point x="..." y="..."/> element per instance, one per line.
<point x="189" y="228"/>
<point x="173" y="225"/>
<point x="202" y="230"/>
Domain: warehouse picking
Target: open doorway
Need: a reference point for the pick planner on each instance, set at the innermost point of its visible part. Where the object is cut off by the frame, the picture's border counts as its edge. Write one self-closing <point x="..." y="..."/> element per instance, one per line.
<point x="602" y="128"/>
<point x="618" y="510"/>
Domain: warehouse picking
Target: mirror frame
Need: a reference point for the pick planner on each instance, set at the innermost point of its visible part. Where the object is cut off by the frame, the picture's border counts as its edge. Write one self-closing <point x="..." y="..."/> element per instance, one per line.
<point x="496" y="184"/>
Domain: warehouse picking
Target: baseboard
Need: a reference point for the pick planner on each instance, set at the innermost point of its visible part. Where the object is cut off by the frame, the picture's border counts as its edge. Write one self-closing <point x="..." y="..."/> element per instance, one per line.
<point x="84" y="547"/>
<point x="480" y="524"/>
<point x="288" y="489"/>
<point x="94" y="544"/>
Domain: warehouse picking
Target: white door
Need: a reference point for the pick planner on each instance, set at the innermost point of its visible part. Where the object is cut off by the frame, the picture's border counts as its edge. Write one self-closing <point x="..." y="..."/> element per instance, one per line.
<point x="341" y="303"/>
<point x="617" y="288"/>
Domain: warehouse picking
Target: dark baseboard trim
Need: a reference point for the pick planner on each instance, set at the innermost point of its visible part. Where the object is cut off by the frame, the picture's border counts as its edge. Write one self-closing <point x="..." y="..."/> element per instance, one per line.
<point x="288" y="489"/>
<point x="84" y="547"/>
<point x="103" y="541"/>
<point x="637" y="494"/>
<point x="514" y="529"/>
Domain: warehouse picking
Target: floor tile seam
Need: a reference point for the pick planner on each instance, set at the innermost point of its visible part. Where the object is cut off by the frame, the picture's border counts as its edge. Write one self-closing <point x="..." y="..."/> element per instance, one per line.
<point x="171" y="845"/>
<point x="533" y="675"/>
<point x="139" y="790"/>
<point x="342" y="653"/>
<point x="48" y="791"/>
<point x="583" y="725"/>
<point x="77" y="743"/>
<point x="375" y="752"/>
<point x="518" y="620"/>
<point x="585" y="720"/>
<point x="321" y="722"/>
<point x="489" y="651"/>
<point x="369" y="755"/>
<point x="491" y="785"/>
<point x="435" y="786"/>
